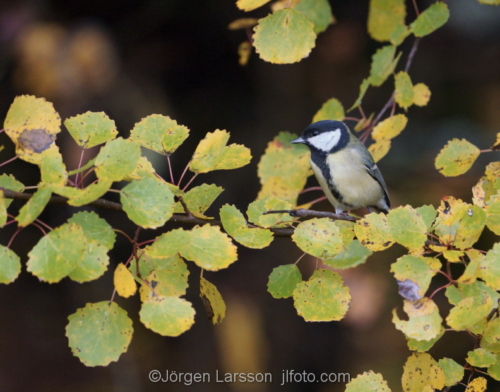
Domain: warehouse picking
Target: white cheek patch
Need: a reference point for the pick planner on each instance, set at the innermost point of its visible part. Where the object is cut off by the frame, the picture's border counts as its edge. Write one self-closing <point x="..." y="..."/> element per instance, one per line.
<point x="326" y="141"/>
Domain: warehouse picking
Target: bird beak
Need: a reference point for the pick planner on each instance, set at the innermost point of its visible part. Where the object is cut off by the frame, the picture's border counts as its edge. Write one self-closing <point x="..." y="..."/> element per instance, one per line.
<point x="298" y="140"/>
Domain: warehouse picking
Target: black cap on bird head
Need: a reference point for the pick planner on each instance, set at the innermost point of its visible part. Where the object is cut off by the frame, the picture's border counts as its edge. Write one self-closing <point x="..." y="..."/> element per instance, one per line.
<point x="325" y="136"/>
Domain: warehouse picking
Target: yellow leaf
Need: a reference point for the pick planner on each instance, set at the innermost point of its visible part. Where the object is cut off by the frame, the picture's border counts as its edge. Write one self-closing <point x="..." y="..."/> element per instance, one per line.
<point x="379" y="149"/>
<point x="421" y="94"/>
<point x="390" y="127"/>
<point x="242" y="23"/>
<point x="384" y="17"/>
<point x="213" y="301"/>
<point x="373" y="232"/>
<point x="421" y="371"/>
<point x="244" y="51"/>
<point x="492" y="171"/>
<point x="496" y="146"/>
<point x="477" y="385"/>
<point x="249" y="5"/>
<point x="456" y="157"/>
<point x="124" y="281"/>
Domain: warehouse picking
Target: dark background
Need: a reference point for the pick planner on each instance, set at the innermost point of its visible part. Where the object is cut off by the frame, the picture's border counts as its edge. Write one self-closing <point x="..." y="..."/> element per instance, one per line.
<point x="134" y="58"/>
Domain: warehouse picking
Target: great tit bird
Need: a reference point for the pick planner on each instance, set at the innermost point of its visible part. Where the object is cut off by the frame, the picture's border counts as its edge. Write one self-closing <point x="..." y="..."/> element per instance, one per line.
<point x="344" y="167"/>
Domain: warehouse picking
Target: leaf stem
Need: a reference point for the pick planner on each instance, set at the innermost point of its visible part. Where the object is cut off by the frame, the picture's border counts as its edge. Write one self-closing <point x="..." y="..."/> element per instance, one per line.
<point x="8" y="161"/>
<point x="79" y="165"/>
<point x="170" y="170"/>
<point x="190" y="181"/>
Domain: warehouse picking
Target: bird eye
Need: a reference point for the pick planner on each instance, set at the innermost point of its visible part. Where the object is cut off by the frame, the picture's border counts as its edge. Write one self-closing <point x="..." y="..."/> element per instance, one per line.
<point x="315" y="133"/>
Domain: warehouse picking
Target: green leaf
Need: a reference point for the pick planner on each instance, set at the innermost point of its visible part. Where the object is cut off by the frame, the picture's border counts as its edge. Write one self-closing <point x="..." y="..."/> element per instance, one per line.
<point x="90" y="129"/>
<point x="384" y="17"/>
<point x="95" y="228"/>
<point x="481" y="358"/>
<point x="493" y="217"/>
<point x="317" y="11"/>
<point x="453" y="372"/>
<point x="323" y="297"/>
<point x="407" y="227"/>
<point x="423" y="345"/>
<point x="235" y="225"/>
<point x="283" y="280"/>
<point x="489" y="267"/>
<point x="117" y="159"/>
<point x="428" y="214"/>
<point x="491" y="336"/>
<point x="383" y="64"/>
<point x="368" y="381"/>
<point x="420" y="372"/>
<point x="148" y="203"/>
<point x="169" y="244"/>
<point x="210" y="248"/>
<point x="363" y="88"/>
<point x="198" y="199"/>
<point x="80" y="197"/>
<point x="167" y="316"/>
<point x="352" y="255"/>
<point x="424" y="320"/>
<point x="319" y="237"/>
<point x="250" y="5"/>
<point x="169" y="279"/>
<point x="10" y="265"/>
<point x="93" y="264"/>
<point x="494" y="370"/>
<point x="3" y="210"/>
<point x="431" y="19"/>
<point x="283" y="169"/>
<point x="213" y="301"/>
<point x="403" y="93"/>
<point x="469" y="311"/>
<point x="456" y="157"/>
<point x="257" y="209"/>
<point x="34" y="206"/>
<point x="57" y="253"/>
<point x="8" y="181"/>
<point x="399" y="34"/>
<point x="414" y="268"/>
<point x="53" y="171"/>
<point x="213" y="154"/>
<point x="144" y="169"/>
<point x="471" y="226"/>
<point x="285" y="37"/>
<point x="159" y="133"/>
<point x="331" y="110"/>
<point x="99" y="333"/>
<point x="373" y="232"/>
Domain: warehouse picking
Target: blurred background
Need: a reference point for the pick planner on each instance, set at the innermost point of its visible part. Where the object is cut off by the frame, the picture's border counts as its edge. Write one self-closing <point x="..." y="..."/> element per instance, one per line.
<point x="138" y="57"/>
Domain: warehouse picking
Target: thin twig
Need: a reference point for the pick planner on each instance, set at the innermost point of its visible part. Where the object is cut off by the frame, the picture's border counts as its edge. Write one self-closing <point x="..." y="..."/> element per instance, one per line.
<point x="8" y="161"/>
<point x="170" y="170"/>
<point x="79" y="165"/>
<point x="303" y="213"/>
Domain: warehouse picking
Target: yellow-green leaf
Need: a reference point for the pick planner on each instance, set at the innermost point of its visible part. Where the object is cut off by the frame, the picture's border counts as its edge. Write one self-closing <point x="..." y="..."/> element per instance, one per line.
<point x="424" y="320"/>
<point x="403" y="93"/>
<point x="283" y="280"/>
<point x="213" y="154"/>
<point x="481" y="358"/>
<point x="420" y="371"/>
<point x="423" y="345"/>
<point x="285" y="37"/>
<point x="8" y="181"/>
<point x="368" y="381"/>
<point x="117" y="159"/>
<point x="352" y="255"/>
<point x="431" y="19"/>
<point x="493" y="217"/>
<point x="148" y="203"/>
<point x="331" y="110"/>
<point x="407" y="227"/>
<point x="79" y="197"/>
<point x="10" y="265"/>
<point x="383" y="64"/>
<point x="198" y="199"/>
<point x="159" y="133"/>
<point x="453" y="372"/>
<point x="210" y="248"/>
<point x="384" y="17"/>
<point x="324" y="297"/>
<point x="470" y="311"/>
<point x="169" y="244"/>
<point x="235" y="225"/>
<point x="489" y="267"/>
<point x="167" y="316"/>
<point x="213" y="301"/>
<point x="34" y="206"/>
<point x="90" y="129"/>
<point x="99" y="333"/>
<point x="124" y="281"/>
<point x="414" y="268"/>
<point x="456" y="157"/>
<point x="421" y="94"/>
<point x="319" y="237"/>
<point x="93" y="264"/>
<point x="257" y="209"/>
<point x="95" y="228"/>
<point x="491" y="336"/>
<point x="57" y="253"/>
<point x="373" y="232"/>
<point x="363" y="88"/>
<point x="318" y="12"/>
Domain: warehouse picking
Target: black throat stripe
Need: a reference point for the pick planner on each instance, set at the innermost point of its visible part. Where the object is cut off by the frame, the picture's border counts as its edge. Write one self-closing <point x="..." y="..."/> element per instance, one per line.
<point x="319" y="159"/>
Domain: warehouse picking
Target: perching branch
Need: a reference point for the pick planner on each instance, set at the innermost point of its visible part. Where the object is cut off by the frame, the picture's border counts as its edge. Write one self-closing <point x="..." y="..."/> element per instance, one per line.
<point x="111" y="205"/>
<point x="303" y="213"/>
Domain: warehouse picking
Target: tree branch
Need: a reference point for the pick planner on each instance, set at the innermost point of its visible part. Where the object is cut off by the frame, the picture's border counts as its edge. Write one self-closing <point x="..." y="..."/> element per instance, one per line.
<point x="111" y="205"/>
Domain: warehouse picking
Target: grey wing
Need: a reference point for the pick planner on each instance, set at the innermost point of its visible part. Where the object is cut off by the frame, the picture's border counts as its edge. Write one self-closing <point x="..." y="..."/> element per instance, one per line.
<point x="374" y="171"/>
